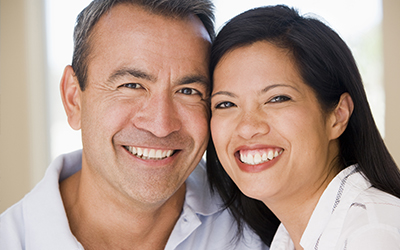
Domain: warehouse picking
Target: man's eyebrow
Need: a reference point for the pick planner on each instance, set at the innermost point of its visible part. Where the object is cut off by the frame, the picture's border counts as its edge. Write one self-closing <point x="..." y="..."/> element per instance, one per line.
<point x="203" y="80"/>
<point x="131" y="72"/>
<point x="137" y="73"/>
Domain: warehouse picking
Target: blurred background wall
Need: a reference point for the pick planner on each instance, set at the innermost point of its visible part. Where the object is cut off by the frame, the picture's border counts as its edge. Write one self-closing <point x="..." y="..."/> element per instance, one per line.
<point x="27" y="136"/>
<point x="24" y="152"/>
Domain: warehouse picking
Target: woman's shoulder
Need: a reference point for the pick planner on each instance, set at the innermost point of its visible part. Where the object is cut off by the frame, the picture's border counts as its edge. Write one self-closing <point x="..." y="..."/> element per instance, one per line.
<point x="378" y="199"/>
<point x="373" y="218"/>
<point x="373" y="208"/>
<point x="368" y="198"/>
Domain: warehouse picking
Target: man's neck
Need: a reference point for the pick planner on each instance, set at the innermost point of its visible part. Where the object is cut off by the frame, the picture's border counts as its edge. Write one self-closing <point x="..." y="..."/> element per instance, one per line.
<point x="101" y="223"/>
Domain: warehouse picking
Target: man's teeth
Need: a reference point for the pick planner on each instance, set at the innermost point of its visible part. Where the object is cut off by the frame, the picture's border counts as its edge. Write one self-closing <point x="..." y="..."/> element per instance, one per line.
<point x="257" y="158"/>
<point x="153" y="154"/>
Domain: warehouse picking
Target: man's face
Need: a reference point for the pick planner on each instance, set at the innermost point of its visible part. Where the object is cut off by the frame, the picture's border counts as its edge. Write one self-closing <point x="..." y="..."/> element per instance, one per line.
<point x="144" y="115"/>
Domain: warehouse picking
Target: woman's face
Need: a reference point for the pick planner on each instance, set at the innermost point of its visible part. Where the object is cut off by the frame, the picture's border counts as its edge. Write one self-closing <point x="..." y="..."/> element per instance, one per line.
<point x="270" y="133"/>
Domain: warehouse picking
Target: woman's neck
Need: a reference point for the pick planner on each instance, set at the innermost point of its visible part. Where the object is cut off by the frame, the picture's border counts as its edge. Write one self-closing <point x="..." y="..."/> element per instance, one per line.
<point x="295" y="210"/>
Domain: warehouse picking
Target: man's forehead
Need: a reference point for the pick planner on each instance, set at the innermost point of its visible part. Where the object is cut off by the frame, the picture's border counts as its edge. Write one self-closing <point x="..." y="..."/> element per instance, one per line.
<point x="141" y="18"/>
<point x="134" y="44"/>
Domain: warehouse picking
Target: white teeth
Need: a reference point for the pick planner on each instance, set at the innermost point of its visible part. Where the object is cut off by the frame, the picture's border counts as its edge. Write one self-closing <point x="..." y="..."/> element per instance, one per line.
<point x="139" y="152"/>
<point x="257" y="158"/>
<point x="153" y="154"/>
<point x="250" y="159"/>
<point x="270" y="155"/>
<point x="158" y="154"/>
<point x="242" y="157"/>
<point x="264" y="157"/>
<point x="146" y="153"/>
<point x="169" y="153"/>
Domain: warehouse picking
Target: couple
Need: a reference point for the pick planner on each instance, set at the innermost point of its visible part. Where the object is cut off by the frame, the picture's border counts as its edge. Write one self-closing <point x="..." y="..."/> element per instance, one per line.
<point x="290" y="124"/>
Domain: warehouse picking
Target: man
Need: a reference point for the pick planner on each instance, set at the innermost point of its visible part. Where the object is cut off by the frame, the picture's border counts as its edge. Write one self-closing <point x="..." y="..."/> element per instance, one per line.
<point x="137" y="89"/>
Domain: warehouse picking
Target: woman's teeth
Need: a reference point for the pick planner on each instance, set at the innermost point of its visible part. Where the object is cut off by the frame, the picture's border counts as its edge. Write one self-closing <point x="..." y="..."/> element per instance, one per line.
<point x="254" y="158"/>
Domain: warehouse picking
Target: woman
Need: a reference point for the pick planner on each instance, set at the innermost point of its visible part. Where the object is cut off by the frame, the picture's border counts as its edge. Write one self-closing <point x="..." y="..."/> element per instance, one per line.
<point x="292" y="127"/>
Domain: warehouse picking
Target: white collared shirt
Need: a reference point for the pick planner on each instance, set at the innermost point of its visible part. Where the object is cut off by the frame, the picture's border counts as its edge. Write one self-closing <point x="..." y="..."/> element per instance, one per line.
<point x="350" y="215"/>
<point x="39" y="222"/>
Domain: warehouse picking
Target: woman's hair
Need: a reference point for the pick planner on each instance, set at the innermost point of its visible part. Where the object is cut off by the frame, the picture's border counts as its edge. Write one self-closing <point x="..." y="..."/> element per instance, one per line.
<point x="326" y="64"/>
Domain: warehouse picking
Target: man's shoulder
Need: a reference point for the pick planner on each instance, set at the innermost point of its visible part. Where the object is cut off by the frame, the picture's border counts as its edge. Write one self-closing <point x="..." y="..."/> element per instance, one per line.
<point x="11" y="227"/>
<point x="41" y="211"/>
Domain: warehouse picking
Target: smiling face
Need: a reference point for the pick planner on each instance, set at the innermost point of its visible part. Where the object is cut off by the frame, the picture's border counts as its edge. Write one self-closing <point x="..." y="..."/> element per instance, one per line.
<point x="269" y="131"/>
<point x="143" y="114"/>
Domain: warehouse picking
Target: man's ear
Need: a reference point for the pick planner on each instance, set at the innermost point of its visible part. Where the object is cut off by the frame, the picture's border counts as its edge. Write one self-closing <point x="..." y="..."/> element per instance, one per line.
<point x="71" y="97"/>
<point x="341" y="115"/>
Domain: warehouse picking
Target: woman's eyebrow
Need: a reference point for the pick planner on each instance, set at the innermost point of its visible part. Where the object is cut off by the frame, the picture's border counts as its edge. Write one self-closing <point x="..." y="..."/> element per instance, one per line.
<point x="266" y="89"/>
<point x="227" y="93"/>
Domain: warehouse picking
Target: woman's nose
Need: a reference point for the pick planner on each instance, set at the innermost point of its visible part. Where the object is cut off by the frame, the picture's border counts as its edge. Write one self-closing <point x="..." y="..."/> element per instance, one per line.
<point x="251" y="124"/>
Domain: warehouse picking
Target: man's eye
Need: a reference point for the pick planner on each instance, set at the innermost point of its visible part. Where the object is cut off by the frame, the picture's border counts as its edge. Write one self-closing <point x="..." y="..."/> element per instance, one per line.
<point x="189" y="91"/>
<point x="132" y="85"/>
<point x="280" y="98"/>
<point x="225" y="105"/>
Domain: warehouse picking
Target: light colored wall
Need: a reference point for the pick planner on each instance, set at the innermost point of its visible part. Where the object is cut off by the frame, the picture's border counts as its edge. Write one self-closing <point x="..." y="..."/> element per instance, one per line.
<point x="23" y="128"/>
<point x="391" y="38"/>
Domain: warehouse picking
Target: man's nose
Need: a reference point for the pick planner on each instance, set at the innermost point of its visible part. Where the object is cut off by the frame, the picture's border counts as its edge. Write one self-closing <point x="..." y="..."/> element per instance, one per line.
<point x="158" y="115"/>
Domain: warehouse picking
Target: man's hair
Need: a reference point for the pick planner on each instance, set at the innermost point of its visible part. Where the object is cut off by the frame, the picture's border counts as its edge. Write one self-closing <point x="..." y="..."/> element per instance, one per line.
<point x="89" y="16"/>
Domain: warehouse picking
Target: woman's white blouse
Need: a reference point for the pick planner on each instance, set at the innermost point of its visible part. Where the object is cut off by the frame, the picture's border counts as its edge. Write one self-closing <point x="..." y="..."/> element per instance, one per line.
<point x="350" y="215"/>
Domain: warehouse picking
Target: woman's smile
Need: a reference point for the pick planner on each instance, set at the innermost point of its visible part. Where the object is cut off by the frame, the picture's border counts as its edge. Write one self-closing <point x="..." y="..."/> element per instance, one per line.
<point x="258" y="156"/>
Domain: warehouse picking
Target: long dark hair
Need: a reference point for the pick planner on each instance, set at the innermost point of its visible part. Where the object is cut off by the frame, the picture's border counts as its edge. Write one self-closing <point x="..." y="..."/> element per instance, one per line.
<point x="325" y="64"/>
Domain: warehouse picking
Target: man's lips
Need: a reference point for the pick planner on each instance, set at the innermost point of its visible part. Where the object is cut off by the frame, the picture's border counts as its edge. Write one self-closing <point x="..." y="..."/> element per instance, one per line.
<point x="150" y="153"/>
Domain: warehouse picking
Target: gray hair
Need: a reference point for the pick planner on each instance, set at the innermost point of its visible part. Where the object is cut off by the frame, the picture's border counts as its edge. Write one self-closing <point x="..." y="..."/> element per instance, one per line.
<point x="89" y="16"/>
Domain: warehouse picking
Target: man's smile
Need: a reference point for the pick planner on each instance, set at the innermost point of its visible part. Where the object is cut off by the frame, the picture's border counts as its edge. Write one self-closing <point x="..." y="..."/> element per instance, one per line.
<point x="149" y="153"/>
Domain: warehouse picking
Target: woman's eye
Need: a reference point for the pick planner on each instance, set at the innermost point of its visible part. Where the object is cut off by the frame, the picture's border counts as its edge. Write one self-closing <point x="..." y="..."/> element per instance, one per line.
<point x="132" y="85"/>
<point x="280" y="98"/>
<point x="189" y="91"/>
<point x="224" y="105"/>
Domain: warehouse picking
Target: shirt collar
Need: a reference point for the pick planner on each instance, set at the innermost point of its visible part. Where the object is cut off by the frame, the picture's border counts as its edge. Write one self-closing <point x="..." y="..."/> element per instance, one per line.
<point x="43" y="208"/>
<point x="198" y="194"/>
<point x="282" y="240"/>
<point x="331" y="209"/>
<point x="199" y="203"/>
<point x="333" y="206"/>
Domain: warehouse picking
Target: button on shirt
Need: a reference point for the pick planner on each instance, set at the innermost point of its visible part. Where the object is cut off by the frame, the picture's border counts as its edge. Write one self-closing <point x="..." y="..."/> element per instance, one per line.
<point x="39" y="222"/>
<point x="350" y="215"/>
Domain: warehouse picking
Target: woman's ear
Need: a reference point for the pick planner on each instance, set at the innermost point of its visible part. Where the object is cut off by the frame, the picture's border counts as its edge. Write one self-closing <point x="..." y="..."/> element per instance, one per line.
<point x="341" y="115"/>
<point x="71" y="97"/>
